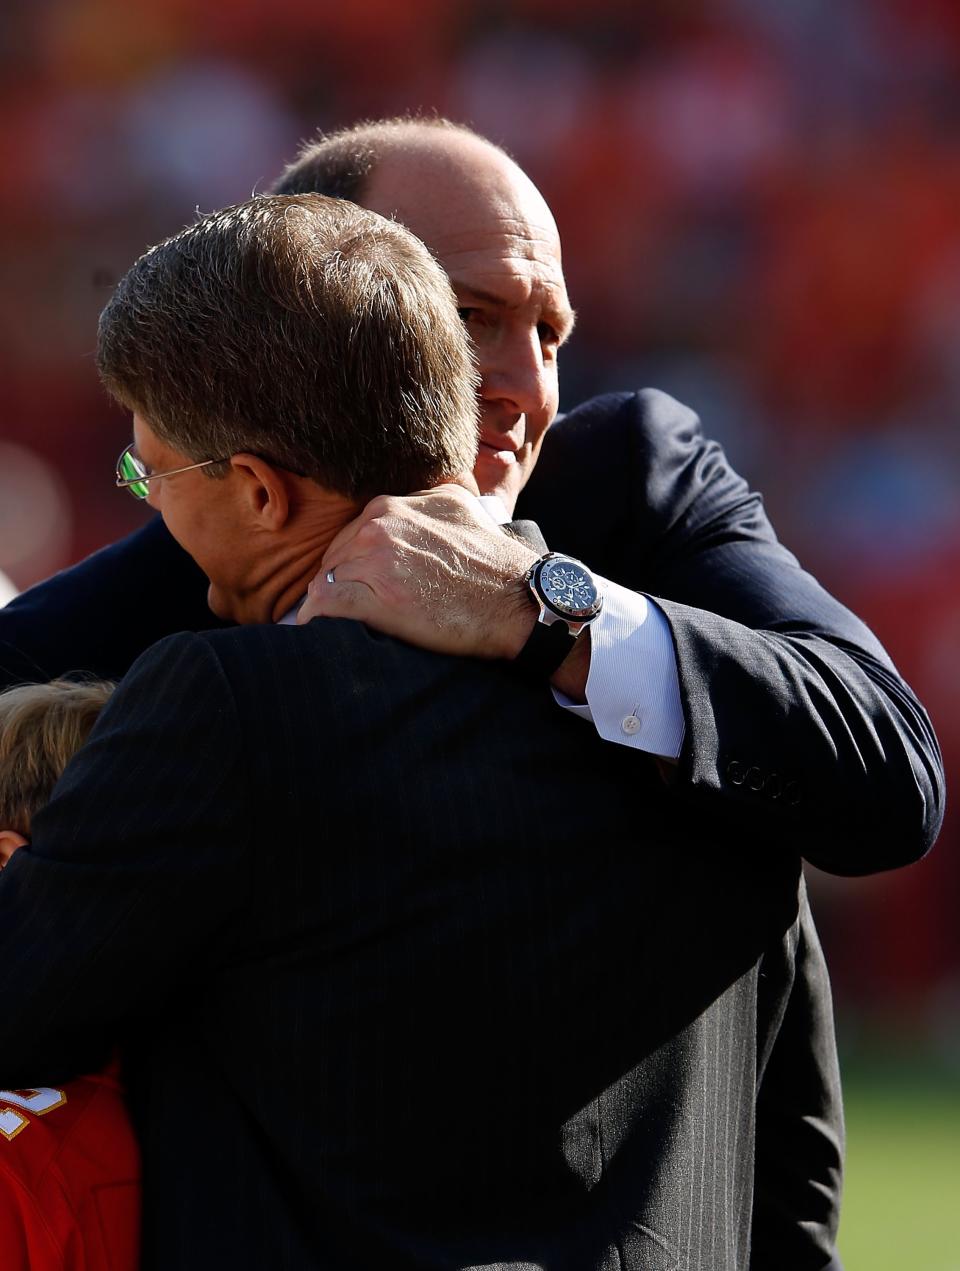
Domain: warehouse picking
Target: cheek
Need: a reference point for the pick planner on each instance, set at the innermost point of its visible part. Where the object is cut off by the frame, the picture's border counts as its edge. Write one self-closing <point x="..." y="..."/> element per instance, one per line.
<point x="537" y="428"/>
<point x="214" y="555"/>
<point x="552" y="372"/>
<point x="189" y="526"/>
<point x="550" y="388"/>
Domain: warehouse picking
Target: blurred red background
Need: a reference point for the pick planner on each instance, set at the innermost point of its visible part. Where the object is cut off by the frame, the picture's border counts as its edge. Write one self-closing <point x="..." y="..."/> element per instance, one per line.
<point x="760" y="207"/>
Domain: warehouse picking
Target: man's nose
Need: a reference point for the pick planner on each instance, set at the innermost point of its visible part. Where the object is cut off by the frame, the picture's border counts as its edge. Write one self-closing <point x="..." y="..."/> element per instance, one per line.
<point x="513" y="371"/>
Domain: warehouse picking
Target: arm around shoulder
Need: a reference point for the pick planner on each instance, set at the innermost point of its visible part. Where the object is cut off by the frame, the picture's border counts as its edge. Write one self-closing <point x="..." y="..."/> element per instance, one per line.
<point x="101" y="614"/>
<point x="798" y="729"/>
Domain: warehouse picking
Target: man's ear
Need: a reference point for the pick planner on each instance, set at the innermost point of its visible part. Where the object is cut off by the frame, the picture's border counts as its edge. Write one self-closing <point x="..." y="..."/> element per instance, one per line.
<point x="10" y="840"/>
<point x="265" y="490"/>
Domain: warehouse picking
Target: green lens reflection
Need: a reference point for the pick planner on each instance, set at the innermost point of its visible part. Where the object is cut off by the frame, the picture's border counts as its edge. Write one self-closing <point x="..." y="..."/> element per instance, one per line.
<point x="132" y="470"/>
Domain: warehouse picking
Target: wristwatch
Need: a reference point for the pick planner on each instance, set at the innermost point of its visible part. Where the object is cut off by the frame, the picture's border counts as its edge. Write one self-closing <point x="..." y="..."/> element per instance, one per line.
<point x="568" y="600"/>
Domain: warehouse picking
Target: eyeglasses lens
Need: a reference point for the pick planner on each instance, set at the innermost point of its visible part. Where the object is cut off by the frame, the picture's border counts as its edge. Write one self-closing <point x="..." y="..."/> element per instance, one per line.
<point x="132" y="470"/>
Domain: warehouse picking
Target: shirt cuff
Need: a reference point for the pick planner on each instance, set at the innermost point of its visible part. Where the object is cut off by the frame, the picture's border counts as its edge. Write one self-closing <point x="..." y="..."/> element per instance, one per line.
<point x="633" y="687"/>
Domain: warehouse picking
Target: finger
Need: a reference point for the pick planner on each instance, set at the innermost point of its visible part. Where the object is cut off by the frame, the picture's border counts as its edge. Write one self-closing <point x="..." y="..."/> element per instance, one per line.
<point x="329" y="577"/>
<point x="340" y="599"/>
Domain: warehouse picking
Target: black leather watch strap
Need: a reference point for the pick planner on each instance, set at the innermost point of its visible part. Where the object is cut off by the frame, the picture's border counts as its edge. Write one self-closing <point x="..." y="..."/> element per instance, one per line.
<point x="546" y="648"/>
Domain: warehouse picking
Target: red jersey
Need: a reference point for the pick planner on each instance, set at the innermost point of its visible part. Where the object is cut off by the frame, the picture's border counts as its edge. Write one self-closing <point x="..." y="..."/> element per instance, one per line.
<point x="69" y="1178"/>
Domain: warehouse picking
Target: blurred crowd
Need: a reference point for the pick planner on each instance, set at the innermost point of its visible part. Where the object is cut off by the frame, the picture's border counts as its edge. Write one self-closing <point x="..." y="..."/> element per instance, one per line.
<point x="760" y="208"/>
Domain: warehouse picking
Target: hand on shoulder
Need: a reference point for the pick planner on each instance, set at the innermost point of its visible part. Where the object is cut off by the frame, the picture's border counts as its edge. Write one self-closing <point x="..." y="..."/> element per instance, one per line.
<point x="431" y="568"/>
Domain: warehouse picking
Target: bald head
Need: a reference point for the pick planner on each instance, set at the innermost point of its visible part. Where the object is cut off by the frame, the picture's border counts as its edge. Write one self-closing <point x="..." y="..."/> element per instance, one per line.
<point x="488" y="225"/>
<point x="451" y="186"/>
<point x="340" y="163"/>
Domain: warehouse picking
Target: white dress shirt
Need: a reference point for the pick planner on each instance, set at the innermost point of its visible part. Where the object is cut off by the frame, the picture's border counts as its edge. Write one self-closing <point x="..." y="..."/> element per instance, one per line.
<point x="7" y="589"/>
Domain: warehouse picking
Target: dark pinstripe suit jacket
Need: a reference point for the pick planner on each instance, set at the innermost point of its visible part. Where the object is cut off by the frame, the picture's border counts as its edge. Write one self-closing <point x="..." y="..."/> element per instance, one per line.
<point x="411" y="972"/>
<point x="755" y="635"/>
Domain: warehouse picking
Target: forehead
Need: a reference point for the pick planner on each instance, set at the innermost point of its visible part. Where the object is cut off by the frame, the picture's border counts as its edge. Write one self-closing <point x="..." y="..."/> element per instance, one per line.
<point x="478" y="213"/>
<point x="508" y="272"/>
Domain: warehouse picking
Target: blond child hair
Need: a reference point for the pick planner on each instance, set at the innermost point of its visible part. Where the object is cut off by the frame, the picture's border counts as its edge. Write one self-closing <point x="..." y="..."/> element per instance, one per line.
<point x="42" y="726"/>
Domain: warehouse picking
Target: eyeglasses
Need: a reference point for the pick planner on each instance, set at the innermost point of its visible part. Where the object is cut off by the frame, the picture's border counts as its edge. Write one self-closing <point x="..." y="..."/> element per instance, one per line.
<point x="133" y="476"/>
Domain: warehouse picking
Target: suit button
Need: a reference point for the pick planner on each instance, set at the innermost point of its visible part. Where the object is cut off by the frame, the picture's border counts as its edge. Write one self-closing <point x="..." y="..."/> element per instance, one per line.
<point x="773" y="787"/>
<point x="630" y="725"/>
<point x="754" y="778"/>
<point x="791" y="793"/>
<point x="735" y="772"/>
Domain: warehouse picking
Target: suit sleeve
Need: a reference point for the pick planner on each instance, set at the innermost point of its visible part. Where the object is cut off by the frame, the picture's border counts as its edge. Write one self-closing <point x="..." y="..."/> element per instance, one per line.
<point x="100" y="615"/>
<point x="135" y="872"/>
<point x="799" y="730"/>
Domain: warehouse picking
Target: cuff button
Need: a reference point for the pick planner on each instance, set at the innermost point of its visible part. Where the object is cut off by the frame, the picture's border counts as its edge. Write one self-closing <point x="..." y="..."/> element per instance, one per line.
<point x="735" y="772"/>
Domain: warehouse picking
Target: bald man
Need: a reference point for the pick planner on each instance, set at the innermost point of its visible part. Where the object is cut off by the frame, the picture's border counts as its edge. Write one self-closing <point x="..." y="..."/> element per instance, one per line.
<point x="774" y="715"/>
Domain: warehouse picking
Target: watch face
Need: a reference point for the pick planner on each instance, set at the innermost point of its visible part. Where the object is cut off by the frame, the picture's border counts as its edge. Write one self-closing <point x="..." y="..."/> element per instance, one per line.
<point x="568" y="589"/>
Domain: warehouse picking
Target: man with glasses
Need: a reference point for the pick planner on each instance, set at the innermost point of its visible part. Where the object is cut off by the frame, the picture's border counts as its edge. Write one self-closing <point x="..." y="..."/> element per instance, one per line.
<point x="396" y="986"/>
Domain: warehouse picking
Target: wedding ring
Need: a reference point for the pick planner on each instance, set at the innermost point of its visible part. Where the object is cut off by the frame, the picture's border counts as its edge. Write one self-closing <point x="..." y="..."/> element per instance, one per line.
<point x="330" y="576"/>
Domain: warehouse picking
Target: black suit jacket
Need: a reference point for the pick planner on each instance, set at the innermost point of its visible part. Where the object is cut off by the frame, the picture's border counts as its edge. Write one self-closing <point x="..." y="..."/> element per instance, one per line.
<point x="411" y="972"/>
<point x="629" y="483"/>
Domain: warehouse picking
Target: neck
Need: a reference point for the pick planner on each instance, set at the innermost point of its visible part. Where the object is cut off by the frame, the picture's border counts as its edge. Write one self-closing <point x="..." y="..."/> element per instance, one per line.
<point x="289" y="559"/>
<point x="289" y="583"/>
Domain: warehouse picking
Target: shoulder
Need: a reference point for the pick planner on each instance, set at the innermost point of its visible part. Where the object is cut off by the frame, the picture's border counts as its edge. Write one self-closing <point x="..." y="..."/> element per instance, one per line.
<point x="646" y="415"/>
<point x="627" y="468"/>
<point x="221" y="658"/>
<point x="619" y="442"/>
<point x="328" y="661"/>
<point x="178" y="686"/>
<point x="236" y="649"/>
<point x="221" y="652"/>
<point x="172" y="663"/>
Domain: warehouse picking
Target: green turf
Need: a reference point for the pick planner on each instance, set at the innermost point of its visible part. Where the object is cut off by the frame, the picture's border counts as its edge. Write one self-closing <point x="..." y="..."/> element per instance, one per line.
<point x="901" y="1208"/>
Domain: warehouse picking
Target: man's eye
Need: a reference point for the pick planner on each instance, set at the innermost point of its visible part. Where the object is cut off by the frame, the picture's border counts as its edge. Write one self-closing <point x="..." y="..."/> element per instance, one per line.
<point x="547" y="334"/>
<point x="468" y="315"/>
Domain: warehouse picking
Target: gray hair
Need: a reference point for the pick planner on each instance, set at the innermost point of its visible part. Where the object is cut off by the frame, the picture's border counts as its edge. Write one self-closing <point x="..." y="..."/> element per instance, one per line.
<point x="306" y="330"/>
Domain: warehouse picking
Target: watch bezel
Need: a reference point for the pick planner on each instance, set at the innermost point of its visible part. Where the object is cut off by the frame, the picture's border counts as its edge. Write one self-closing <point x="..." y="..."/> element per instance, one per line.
<point x="575" y="616"/>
